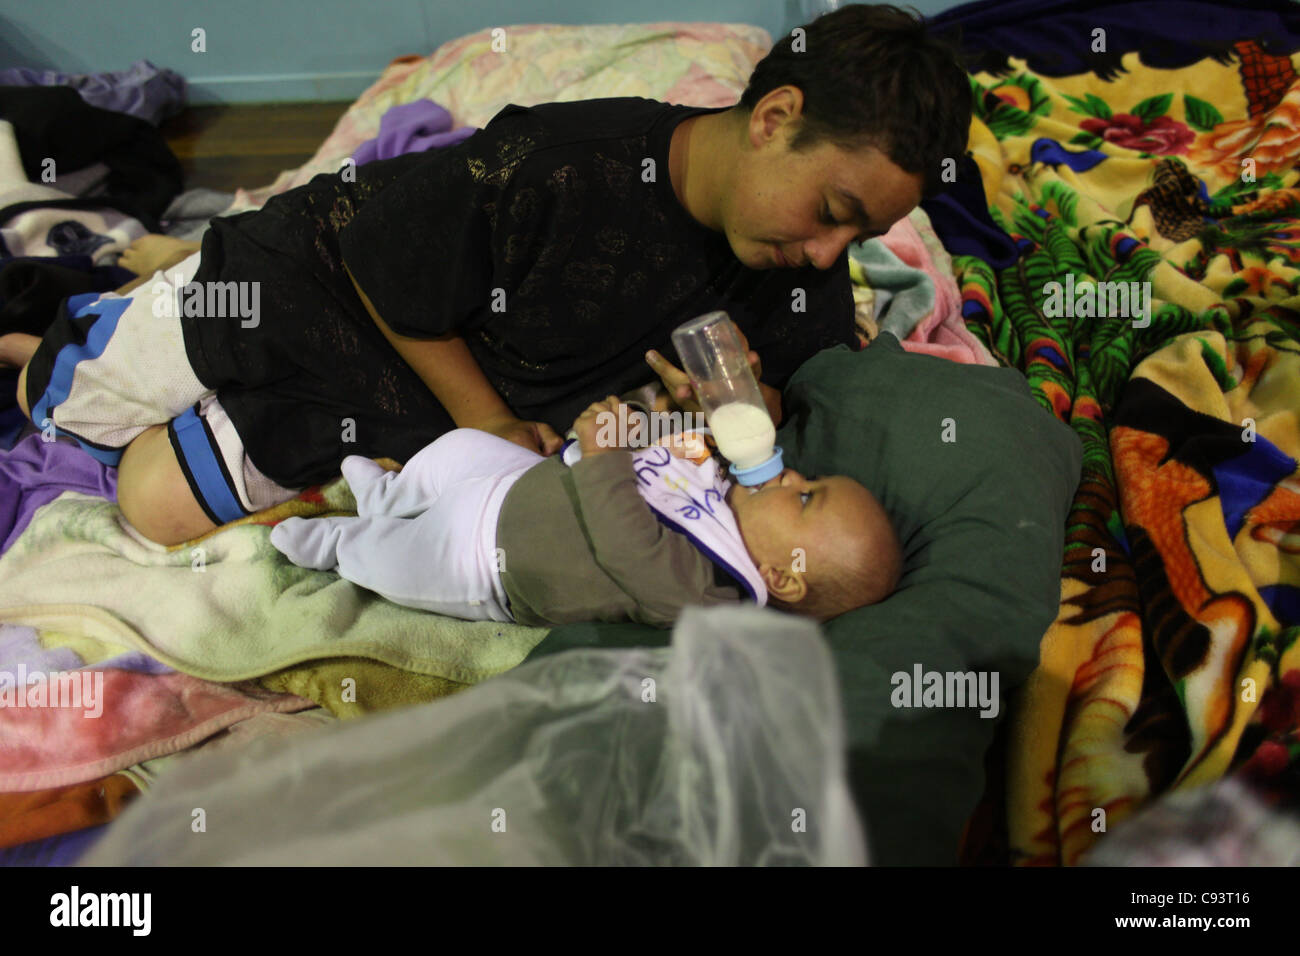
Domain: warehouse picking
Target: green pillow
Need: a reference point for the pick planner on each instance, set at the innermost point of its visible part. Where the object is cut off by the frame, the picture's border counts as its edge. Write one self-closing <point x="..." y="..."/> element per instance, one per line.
<point x="982" y="521"/>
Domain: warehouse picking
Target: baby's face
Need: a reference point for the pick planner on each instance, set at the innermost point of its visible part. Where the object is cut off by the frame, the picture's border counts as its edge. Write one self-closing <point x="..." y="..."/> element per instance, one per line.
<point x="791" y="511"/>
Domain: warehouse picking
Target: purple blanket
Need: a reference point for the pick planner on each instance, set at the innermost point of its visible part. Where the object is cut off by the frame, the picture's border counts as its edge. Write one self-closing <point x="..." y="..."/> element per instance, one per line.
<point x="410" y="128"/>
<point x="35" y="472"/>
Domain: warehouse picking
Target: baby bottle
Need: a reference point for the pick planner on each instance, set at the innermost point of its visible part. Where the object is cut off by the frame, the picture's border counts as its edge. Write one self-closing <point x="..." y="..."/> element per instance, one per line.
<point x="712" y="356"/>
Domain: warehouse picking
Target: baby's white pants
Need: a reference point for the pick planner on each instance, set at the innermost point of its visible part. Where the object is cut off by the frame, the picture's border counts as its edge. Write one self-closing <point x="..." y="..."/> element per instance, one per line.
<point x="424" y="537"/>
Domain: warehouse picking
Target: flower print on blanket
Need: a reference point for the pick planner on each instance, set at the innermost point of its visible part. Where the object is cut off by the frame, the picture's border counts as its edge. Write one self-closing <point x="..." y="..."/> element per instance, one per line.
<point x="1174" y="657"/>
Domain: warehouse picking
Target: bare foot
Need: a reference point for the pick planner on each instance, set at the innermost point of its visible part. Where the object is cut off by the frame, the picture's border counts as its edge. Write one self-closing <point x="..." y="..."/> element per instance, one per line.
<point x="150" y="253"/>
<point x="17" y="349"/>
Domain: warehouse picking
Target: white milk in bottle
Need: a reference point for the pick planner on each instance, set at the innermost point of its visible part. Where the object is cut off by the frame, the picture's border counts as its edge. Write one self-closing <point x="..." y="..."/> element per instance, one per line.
<point x="745" y="434"/>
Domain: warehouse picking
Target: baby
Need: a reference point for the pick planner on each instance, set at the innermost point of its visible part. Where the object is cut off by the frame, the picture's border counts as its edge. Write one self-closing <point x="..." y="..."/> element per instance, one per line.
<point x="480" y="528"/>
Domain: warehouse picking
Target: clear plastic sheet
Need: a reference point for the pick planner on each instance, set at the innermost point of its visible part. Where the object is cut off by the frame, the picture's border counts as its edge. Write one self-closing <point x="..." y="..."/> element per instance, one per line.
<point x="726" y="748"/>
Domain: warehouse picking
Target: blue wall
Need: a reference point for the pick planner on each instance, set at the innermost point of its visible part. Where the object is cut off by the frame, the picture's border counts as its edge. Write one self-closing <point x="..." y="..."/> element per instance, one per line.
<point x="286" y="50"/>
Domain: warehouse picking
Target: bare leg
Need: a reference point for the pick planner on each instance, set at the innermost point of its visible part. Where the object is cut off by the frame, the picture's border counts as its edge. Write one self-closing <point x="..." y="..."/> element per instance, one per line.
<point x="153" y="493"/>
<point x="17" y="349"/>
<point x="150" y="253"/>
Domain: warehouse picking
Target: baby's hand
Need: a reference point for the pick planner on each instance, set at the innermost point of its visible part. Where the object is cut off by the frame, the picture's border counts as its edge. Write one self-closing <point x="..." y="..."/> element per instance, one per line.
<point x="598" y="427"/>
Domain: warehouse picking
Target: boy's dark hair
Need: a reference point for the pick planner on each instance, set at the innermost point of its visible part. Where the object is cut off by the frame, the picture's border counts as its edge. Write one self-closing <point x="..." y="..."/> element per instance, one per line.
<point x="874" y="75"/>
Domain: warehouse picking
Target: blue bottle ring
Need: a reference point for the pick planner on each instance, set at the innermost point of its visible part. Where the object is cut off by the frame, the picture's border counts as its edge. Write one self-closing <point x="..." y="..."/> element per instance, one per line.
<point x="762" y="472"/>
<point x="571" y="451"/>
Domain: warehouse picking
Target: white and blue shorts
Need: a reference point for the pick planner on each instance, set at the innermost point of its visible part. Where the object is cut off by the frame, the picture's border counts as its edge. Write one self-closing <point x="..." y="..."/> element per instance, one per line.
<point x="111" y="366"/>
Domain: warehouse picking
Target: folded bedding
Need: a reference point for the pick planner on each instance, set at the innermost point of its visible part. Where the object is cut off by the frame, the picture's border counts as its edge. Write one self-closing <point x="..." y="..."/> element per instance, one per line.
<point x="905" y="280"/>
<point x="117" y="718"/>
<point x="75" y="707"/>
<point x="47" y="826"/>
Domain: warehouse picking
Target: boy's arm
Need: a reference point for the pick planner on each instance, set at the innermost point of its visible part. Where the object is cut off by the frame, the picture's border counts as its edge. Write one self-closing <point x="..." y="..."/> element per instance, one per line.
<point x="657" y="567"/>
<point x="446" y="366"/>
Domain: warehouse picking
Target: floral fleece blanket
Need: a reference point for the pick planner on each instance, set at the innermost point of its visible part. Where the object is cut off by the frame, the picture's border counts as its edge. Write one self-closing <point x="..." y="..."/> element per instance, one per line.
<point x="1173" y="661"/>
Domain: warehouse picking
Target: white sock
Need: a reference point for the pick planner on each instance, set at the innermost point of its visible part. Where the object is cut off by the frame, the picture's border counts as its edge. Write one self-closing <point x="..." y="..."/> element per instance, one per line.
<point x="364" y="477"/>
<point x="307" y="542"/>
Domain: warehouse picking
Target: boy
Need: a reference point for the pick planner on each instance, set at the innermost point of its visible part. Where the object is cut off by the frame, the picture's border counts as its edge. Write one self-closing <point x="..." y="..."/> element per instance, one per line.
<point x="495" y="283"/>
<point x="479" y="528"/>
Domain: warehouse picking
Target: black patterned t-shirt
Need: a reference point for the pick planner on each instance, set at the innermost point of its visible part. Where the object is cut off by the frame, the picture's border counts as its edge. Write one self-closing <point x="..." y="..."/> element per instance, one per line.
<point x="551" y="241"/>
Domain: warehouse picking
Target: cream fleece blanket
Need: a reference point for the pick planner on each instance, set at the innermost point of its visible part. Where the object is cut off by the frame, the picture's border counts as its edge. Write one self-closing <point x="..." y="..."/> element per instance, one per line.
<point x="231" y="607"/>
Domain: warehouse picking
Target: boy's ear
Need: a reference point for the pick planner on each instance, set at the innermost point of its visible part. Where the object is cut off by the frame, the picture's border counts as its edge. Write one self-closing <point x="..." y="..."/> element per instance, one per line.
<point x="784" y="584"/>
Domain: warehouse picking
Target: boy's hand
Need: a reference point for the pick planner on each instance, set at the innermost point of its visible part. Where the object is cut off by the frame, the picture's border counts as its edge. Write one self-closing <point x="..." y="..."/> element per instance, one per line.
<point x="601" y="421"/>
<point x="772" y="399"/>
<point x="677" y="385"/>
<point x="535" y="436"/>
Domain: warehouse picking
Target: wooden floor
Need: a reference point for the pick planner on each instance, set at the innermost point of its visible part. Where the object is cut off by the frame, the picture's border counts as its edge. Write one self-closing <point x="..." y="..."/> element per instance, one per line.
<point x="223" y="147"/>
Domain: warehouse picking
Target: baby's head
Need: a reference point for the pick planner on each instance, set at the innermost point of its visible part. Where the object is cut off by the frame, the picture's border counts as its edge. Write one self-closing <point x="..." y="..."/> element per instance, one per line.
<point x="824" y="546"/>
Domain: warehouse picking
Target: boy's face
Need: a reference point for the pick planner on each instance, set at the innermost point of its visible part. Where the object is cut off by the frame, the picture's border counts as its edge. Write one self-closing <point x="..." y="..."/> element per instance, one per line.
<point x="796" y="205"/>
<point x="791" y="511"/>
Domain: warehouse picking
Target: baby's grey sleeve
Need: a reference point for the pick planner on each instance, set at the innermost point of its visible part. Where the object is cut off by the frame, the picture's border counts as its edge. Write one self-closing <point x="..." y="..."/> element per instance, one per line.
<point x="657" y="567"/>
